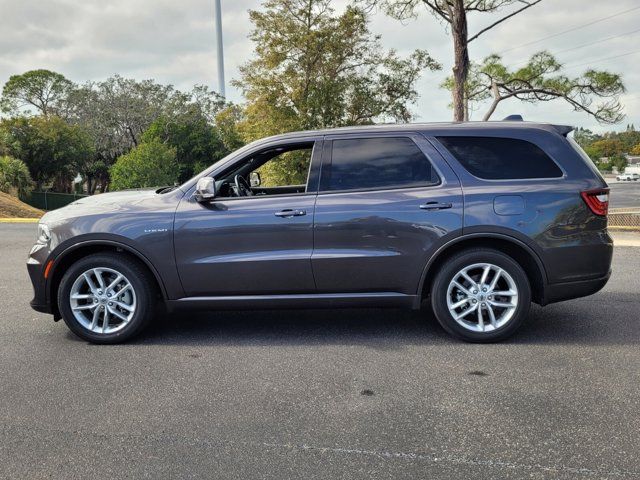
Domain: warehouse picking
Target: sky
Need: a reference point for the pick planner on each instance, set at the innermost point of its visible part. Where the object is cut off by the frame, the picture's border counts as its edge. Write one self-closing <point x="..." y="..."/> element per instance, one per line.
<point x="173" y="41"/>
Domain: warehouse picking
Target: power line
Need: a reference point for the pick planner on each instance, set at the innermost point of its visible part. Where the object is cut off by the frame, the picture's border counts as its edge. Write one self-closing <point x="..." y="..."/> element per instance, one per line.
<point x="577" y="27"/>
<point x="605" y="59"/>
<point x="597" y="41"/>
<point x="587" y="44"/>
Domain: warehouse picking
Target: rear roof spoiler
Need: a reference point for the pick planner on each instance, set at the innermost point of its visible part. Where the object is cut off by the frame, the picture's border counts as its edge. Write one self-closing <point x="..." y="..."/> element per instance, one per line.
<point x="563" y="130"/>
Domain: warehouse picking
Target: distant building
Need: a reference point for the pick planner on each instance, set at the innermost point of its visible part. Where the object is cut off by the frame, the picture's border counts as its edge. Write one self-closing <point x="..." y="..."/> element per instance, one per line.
<point x="634" y="164"/>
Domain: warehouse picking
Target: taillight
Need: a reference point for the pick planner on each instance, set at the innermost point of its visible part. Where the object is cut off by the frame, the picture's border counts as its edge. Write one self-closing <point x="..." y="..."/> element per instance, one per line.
<point x="597" y="200"/>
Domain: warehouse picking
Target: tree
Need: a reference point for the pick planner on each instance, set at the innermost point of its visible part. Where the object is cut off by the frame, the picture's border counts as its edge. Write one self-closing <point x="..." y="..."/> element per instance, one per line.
<point x="607" y="153"/>
<point x="53" y="150"/>
<point x="606" y="148"/>
<point x="42" y="89"/>
<point x="635" y="150"/>
<point x="14" y="177"/>
<point x="540" y="81"/>
<point x="629" y="138"/>
<point x="150" y="164"/>
<point x="313" y="69"/>
<point x="197" y="143"/>
<point x="227" y="121"/>
<point x="454" y="13"/>
<point x="619" y="162"/>
<point x="118" y="111"/>
<point x="583" y="136"/>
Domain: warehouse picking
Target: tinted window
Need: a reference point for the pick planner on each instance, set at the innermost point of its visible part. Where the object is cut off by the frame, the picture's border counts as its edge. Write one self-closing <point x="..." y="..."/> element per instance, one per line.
<point x="501" y="158"/>
<point x="377" y="163"/>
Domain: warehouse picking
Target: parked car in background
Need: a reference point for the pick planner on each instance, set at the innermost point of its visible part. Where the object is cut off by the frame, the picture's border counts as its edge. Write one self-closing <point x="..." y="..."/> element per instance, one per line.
<point x="477" y="220"/>
<point x="627" y="177"/>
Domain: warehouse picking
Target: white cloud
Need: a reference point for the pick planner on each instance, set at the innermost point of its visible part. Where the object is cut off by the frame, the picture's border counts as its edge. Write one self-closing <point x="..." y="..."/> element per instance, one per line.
<point x="173" y="42"/>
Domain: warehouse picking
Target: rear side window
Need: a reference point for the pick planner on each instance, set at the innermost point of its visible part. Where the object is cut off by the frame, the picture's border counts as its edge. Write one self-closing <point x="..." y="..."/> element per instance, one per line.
<point x="377" y="163"/>
<point x="494" y="158"/>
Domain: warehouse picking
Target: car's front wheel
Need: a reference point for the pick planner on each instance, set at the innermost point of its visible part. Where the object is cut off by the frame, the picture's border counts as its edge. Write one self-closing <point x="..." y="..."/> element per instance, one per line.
<point x="106" y="298"/>
<point x="481" y="295"/>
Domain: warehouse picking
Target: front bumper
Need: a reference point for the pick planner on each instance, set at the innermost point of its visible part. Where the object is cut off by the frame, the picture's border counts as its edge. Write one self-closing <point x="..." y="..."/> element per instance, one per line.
<point x="40" y="307"/>
<point x="35" y="266"/>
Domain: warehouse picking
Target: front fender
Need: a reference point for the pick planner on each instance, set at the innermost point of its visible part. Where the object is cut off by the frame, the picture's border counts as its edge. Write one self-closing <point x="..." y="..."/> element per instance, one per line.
<point x="165" y="274"/>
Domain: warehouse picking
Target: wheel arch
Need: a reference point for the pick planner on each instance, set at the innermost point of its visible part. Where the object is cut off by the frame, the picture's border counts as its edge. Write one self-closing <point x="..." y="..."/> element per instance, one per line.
<point x="522" y="253"/>
<point x="82" y="249"/>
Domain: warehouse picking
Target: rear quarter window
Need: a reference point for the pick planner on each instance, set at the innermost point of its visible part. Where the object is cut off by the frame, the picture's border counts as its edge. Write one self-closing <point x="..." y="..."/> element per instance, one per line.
<point x="495" y="158"/>
<point x="586" y="159"/>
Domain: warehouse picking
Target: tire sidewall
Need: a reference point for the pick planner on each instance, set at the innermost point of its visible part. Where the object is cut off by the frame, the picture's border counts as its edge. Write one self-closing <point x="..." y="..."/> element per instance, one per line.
<point x="138" y="281"/>
<point x="457" y="263"/>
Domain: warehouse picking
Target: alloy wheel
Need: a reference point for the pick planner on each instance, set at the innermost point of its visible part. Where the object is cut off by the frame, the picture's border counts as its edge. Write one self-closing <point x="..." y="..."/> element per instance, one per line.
<point x="102" y="300"/>
<point x="482" y="297"/>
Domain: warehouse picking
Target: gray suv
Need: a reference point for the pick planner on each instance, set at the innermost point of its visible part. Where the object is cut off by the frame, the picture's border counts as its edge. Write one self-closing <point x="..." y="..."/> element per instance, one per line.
<point x="476" y="220"/>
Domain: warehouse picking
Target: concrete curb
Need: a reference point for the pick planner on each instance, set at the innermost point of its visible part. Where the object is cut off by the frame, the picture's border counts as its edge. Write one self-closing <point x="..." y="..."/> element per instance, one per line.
<point x="19" y="220"/>
<point x="614" y="229"/>
<point x="625" y="239"/>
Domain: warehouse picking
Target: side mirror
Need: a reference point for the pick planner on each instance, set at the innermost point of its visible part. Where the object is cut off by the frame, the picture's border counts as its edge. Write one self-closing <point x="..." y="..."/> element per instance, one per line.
<point x="205" y="190"/>
<point x="254" y="179"/>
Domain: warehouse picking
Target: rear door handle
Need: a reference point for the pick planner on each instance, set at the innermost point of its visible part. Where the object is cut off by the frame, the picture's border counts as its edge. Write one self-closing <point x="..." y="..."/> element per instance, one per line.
<point x="290" y="212"/>
<point x="435" y="206"/>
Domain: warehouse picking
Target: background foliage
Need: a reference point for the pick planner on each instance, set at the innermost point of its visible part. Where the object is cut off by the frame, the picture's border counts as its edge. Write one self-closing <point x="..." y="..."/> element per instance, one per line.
<point x="312" y="68"/>
<point x="14" y="177"/>
<point x="150" y="164"/>
<point x="609" y="150"/>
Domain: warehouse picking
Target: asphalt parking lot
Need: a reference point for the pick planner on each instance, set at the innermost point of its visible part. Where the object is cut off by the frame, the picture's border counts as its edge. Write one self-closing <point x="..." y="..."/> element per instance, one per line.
<point x="321" y="394"/>
<point x="624" y="194"/>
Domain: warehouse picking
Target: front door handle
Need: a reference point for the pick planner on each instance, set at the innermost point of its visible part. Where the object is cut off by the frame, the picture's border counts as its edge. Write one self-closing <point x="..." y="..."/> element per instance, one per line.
<point x="290" y="212"/>
<point x="435" y="206"/>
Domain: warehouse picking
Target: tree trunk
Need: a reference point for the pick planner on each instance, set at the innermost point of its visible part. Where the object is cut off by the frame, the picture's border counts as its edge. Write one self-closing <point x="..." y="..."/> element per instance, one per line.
<point x="494" y="104"/>
<point x="133" y="137"/>
<point x="461" y="63"/>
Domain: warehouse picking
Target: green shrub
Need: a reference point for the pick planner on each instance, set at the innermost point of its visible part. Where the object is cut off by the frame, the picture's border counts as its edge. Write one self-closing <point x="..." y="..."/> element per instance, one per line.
<point x="150" y="164"/>
<point x="14" y="177"/>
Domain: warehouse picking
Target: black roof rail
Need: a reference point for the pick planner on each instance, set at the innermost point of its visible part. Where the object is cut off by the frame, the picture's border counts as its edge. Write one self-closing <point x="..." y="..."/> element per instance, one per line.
<point x="513" y="118"/>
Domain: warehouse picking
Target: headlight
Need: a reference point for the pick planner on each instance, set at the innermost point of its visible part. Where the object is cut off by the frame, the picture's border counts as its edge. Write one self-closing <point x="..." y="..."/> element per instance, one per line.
<point x="44" y="234"/>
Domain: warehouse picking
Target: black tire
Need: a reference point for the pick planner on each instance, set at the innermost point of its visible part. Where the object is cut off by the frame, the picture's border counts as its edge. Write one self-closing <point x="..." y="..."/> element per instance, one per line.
<point x="138" y="276"/>
<point x="466" y="258"/>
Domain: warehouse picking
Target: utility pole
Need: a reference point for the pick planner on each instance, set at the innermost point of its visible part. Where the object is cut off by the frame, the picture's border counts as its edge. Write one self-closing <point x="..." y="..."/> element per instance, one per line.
<point x="219" y="53"/>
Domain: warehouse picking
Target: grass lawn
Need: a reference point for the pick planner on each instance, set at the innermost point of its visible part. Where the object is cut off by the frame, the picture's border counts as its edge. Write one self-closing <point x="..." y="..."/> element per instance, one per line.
<point x="11" y="207"/>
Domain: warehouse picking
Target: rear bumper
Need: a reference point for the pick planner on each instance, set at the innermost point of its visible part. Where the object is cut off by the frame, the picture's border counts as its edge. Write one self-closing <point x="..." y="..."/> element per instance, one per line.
<point x="558" y="292"/>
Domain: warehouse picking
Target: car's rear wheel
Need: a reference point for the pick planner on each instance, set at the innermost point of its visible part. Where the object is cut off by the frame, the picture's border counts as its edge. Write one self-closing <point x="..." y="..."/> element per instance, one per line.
<point x="105" y="298"/>
<point x="481" y="295"/>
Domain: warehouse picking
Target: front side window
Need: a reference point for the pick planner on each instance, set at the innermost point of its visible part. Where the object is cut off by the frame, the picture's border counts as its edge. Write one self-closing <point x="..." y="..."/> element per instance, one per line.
<point x="287" y="168"/>
<point x="494" y="158"/>
<point x="278" y="170"/>
<point x="377" y="163"/>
